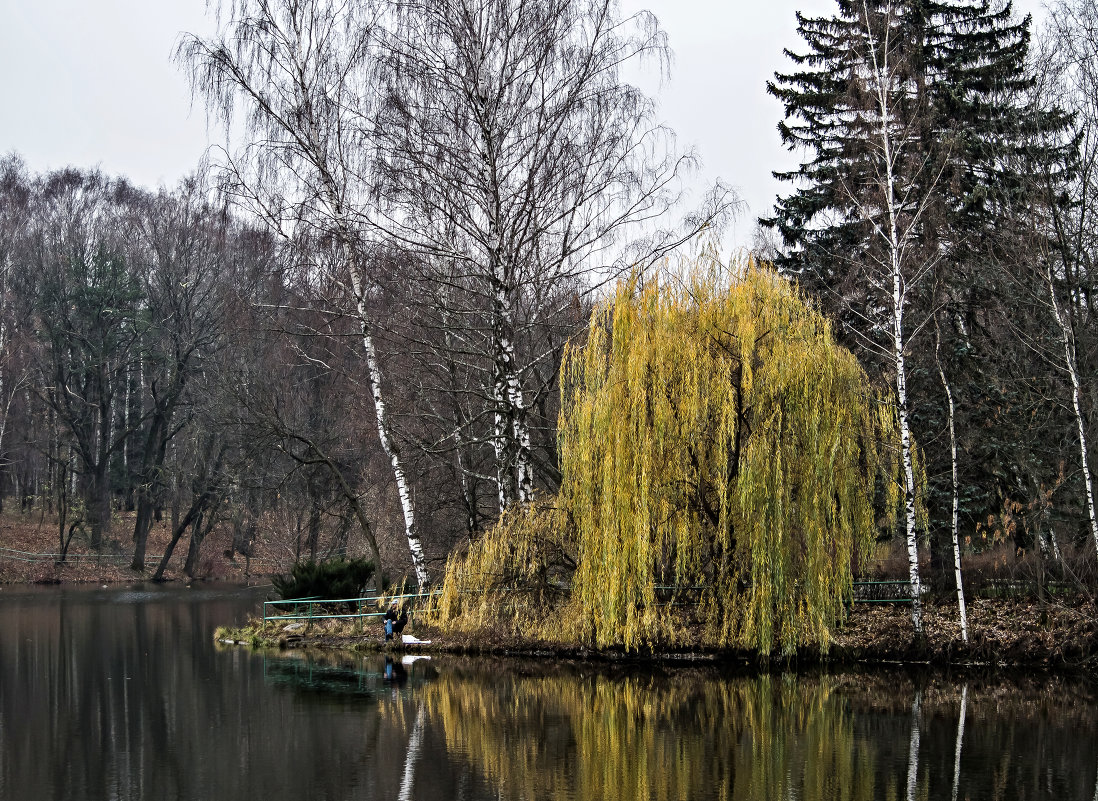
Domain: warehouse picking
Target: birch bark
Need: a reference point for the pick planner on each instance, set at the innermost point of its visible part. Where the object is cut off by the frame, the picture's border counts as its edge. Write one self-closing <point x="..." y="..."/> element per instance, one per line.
<point x="381" y="414"/>
<point x="883" y="80"/>
<point x="962" y="612"/>
<point x="1068" y="339"/>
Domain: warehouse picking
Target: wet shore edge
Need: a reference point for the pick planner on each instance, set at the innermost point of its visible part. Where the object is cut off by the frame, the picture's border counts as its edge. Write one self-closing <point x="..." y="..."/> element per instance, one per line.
<point x="1007" y="635"/>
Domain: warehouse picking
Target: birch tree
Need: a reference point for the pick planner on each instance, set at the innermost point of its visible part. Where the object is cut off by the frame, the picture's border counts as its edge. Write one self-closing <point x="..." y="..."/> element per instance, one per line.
<point x="1066" y="275"/>
<point x="947" y="96"/>
<point x="955" y="519"/>
<point x="299" y="72"/>
<point x="882" y="192"/>
<point x="15" y="194"/>
<point x="515" y="160"/>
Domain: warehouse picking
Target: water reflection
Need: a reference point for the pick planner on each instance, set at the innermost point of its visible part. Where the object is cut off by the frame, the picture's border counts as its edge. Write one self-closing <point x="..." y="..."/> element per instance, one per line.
<point x="121" y="695"/>
<point x="331" y="675"/>
<point x="576" y="736"/>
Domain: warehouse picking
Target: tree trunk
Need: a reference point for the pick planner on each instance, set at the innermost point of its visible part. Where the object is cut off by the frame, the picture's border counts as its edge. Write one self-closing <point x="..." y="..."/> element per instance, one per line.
<point x="1068" y="338"/>
<point x="956" y="490"/>
<point x="384" y="430"/>
<point x="508" y="393"/>
<point x="909" y="469"/>
<point x="192" y="548"/>
<point x="201" y="528"/>
<point x="501" y="442"/>
<point x="149" y="490"/>
<point x="198" y="506"/>
<point x="97" y="504"/>
<point x="177" y="533"/>
<point x="312" y="532"/>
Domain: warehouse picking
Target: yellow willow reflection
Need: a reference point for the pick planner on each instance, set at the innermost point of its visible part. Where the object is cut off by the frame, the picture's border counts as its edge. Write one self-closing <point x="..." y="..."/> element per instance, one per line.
<point x="550" y="738"/>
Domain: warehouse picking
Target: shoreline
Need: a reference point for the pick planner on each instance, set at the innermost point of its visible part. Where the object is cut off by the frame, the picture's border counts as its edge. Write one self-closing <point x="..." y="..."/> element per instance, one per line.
<point x="1005" y="636"/>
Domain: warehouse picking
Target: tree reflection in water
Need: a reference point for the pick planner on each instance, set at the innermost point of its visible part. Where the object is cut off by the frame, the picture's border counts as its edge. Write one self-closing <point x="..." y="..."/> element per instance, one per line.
<point x="571" y="736"/>
<point x="120" y="694"/>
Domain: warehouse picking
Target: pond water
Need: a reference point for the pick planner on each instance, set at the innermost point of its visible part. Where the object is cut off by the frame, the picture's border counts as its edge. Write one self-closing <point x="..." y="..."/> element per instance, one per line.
<point x="121" y="694"/>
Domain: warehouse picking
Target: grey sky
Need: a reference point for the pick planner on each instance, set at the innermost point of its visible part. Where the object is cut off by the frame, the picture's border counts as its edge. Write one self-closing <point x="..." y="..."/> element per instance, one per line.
<point x="91" y="83"/>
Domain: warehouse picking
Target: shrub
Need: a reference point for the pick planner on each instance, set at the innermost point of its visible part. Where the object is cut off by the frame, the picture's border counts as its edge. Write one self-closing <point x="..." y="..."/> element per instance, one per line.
<point x="331" y="579"/>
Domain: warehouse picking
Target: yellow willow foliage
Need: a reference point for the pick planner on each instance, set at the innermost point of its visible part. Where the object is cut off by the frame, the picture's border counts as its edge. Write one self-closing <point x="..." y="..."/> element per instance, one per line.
<point x="714" y="435"/>
<point x="516" y="575"/>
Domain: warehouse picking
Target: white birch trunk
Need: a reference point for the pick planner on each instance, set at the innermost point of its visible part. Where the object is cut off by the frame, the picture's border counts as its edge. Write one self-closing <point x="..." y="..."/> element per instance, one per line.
<point x="895" y="266"/>
<point x="404" y="489"/>
<point x="905" y="430"/>
<point x="509" y="391"/>
<point x="521" y="430"/>
<point x="373" y="371"/>
<point x="499" y="443"/>
<point x="960" y="739"/>
<point x="962" y="612"/>
<point x="381" y="414"/>
<point x="909" y="470"/>
<point x="1069" y="363"/>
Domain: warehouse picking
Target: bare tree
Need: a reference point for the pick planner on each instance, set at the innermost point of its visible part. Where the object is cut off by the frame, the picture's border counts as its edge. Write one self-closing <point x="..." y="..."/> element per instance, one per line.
<point x="514" y="161"/>
<point x="88" y="321"/>
<point x="300" y="72"/>
<point x="188" y="242"/>
<point x="15" y="194"/>
<point x="1068" y="67"/>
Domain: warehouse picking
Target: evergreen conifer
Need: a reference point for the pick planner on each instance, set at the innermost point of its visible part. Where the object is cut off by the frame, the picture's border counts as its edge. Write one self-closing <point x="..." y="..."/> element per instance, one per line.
<point x="971" y="144"/>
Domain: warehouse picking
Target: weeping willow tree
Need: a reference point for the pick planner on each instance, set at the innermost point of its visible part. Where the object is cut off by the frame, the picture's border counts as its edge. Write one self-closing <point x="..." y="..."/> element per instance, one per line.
<point x="718" y="450"/>
<point x="714" y="435"/>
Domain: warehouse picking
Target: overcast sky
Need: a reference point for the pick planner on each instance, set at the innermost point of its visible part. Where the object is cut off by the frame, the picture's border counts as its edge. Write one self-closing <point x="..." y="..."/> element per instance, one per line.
<point x="91" y="83"/>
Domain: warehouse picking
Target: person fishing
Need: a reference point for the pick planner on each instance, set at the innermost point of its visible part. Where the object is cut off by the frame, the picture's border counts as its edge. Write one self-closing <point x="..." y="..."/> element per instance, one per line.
<point x="396" y="619"/>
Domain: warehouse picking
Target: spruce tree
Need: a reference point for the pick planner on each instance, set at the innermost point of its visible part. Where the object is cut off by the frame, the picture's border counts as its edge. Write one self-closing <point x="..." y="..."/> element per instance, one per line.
<point x="970" y="142"/>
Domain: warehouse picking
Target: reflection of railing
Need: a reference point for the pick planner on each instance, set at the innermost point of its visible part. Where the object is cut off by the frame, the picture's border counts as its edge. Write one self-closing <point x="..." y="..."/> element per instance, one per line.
<point x="322" y="608"/>
<point x="343" y="677"/>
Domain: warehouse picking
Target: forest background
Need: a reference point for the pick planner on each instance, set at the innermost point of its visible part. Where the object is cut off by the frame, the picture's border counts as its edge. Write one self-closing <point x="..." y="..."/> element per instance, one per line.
<point x="348" y="332"/>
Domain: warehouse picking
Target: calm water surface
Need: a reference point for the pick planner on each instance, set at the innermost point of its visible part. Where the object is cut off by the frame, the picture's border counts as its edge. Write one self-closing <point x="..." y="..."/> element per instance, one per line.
<point x="121" y="694"/>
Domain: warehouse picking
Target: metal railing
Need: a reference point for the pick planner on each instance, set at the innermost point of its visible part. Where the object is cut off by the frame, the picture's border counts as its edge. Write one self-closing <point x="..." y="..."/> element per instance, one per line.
<point x="73" y="557"/>
<point x="271" y="609"/>
<point x="898" y="598"/>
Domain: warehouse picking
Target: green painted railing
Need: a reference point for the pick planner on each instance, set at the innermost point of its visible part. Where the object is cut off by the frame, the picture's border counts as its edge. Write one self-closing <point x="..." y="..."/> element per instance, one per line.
<point x="272" y="610"/>
<point x="897" y="600"/>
